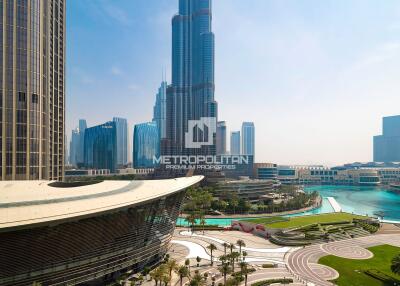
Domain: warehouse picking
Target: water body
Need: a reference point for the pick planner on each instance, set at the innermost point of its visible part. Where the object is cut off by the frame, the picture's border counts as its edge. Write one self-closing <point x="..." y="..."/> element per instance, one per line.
<point x="353" y="199"/>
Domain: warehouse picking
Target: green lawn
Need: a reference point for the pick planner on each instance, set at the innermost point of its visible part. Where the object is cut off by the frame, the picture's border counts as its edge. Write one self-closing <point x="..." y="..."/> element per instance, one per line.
<point x="305" y="220"/>
<point x="351" y="270"/>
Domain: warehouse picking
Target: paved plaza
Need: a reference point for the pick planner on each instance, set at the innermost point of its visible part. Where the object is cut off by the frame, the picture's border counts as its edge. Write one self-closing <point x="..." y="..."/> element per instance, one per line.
<point x="298" y="263"/>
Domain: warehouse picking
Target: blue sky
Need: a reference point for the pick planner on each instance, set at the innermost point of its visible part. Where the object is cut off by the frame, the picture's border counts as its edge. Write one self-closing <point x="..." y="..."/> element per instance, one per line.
<point x="315" y="76"/>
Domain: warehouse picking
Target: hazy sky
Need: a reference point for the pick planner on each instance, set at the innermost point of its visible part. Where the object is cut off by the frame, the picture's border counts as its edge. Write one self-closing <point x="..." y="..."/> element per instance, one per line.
<point x="315" y="76"/>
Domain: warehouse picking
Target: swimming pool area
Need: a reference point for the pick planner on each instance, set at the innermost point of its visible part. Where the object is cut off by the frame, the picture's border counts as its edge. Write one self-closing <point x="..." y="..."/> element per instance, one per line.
<point x="352" y="199"/>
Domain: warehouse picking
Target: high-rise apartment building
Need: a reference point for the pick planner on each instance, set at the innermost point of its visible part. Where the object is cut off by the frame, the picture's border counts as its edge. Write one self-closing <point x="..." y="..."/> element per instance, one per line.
<point x="74" y="147"/>
<point x="221" y="138"/>
<point x="146" y="145"/>
<point x="32" y="89"/>
<point x="191" y="93"/>
<point x="100" y="151"/>
<point x="122" y="140"/>
<point x="248" y="138"/>
<point x="387" y="145"/>
<point x="160" y="110"/>
<point x="235" y="143"/>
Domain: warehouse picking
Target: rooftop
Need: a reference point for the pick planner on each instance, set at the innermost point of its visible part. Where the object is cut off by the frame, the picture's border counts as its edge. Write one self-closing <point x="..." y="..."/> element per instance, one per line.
<point x="33" y="202"/>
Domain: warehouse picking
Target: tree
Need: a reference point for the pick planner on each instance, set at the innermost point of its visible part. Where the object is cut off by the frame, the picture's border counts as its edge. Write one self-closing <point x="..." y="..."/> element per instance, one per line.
<point x="225" y="245"/>
<point x="244" y="254"/>
<point x="225" y="270"/>
<point x="212" y="247"/>
<point x="244" y="270"/>
<point x="172" y="265"/>
<point x="241" y="244"/>
<point x="202" y="222"/>
<point x="187" y="263"/>
<point x="198" y="259"/>
<point x="183" y="272"/>
<point x="191" y="219"/>
<point x="234" y="256"/>
<point x="232" y="246"/>
<point x="395" y="267"/>
<point x="223" y="258"/>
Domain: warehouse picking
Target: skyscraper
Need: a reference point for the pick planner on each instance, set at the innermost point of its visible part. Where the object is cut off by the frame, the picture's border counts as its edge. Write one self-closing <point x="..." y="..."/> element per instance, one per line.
<point x="248" y="138"/>
<point x="146" y="145"/>
<point x="74" y="147"/>
<point x="191" y="93"/>
<point x="80" y="153"/>
<point x="32" y="89"/>
<point x="387" y="145"/>
<point x="221" y="138"/>
<point x="122" y="140"/>
<point x="160" y="110"/>
<point x="100" y="151"/>
<point x="235" y="143"/>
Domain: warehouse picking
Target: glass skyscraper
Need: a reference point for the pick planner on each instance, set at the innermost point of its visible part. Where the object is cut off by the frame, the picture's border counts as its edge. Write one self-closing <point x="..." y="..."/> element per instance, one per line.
<point x="100" y="151"/>
<point x="191" y="93"/>
<point x="387" y="145"/>
<point x="248" y="138"/>
<point x="235" y="143"/>
<point x="160" y="110"/>
<point x="122" y="140"/>
<point x="146" y="145"/>
<point x="76" y="147"/>
<point x="221" y="138"/>
<point x="32" y="89"/>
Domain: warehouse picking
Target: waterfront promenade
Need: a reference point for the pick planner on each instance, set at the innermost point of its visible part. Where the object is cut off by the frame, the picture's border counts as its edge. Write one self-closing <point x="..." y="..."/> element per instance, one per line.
<point x="335" y="205"/>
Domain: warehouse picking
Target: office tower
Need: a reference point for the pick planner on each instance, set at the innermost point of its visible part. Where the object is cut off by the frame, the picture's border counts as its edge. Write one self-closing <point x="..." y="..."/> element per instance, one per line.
<point x="80" y="153"/>
<point x="74" y="147"/>
<point x="32" y="89"/>
<point x="248" y="138"/>
<point x="100" y="151"/>
<point x="221" y="138"/>
<point x="160" y="110"/>
<point x="122" y="140"/>
<point x="387" y="145"/>
<point x="146" y="145"/>
<point x="191" y="93"/>
<point x="235" y="143"/>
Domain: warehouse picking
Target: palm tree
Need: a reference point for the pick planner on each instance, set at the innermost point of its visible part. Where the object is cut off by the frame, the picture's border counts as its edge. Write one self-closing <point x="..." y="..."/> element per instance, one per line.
<point x="191" y="219"/>
<point x="198" y="259"/>
<point x="244" y="254"/>
<point x="234" y="256"/>
<point x="225" y="270"/>
<point x="225" y="245"/>
<point x="241" y="244"/>
<point x="232" y="246"/>
<point x="202" y="221"/>
<point x="171" y="266"/>
<point x="212" y="247"/>
<point x="187" y="264"/>
<point x="223" y="259"/>
<point x="395" y="267"/>
<point x="244" y="270"/>
<point x="183" y="272"/>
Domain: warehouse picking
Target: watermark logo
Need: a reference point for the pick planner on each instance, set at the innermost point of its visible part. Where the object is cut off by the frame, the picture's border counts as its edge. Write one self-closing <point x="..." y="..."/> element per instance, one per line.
<point x="200" y="132"/>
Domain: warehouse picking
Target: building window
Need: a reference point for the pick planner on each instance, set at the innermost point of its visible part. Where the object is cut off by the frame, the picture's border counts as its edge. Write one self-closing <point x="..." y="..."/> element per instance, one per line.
<point x="35" y="98"/>
<point x="21" y="97"/>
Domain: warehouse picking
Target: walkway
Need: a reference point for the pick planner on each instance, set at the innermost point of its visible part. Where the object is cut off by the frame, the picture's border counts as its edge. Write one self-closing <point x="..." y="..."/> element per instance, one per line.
<point x="335" y="205"/>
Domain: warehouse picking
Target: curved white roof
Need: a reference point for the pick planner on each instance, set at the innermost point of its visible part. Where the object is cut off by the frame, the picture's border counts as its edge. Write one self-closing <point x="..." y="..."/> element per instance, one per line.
<point x="31" y="202"/>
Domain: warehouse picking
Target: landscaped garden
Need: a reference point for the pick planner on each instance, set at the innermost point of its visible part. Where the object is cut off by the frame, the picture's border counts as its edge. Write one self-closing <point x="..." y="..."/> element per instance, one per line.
<point x="375" y="271"/>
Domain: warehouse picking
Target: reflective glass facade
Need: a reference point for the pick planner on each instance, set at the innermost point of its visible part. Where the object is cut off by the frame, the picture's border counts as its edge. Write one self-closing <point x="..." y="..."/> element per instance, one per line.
<point x="387" y="145"/>
<point x="82" y="250"/>
<point x="32" y="89"/>
<point x="146" y="145"/>
<point x="221" y="138"/>
<point x="191" y="94"/>
<point x="248" y="138"/>
<point x="100" y="150"/>
<point x="160" y="110"/>
<point x="235" y="143"/>
<point x="122" y="140"/>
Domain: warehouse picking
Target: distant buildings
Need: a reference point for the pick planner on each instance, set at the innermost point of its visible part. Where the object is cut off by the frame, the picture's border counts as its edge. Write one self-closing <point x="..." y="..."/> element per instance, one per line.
<point x="122" y="140"/>
<point x="387" y="145"/>
<point x="100" y="150"/>
<point x="265" y="171"/>
<point x="248" y="138"/>
<point x="235" y="143"/>
<point x="160" y="110"/>
<point x="76" y="147"/>
<point x="221" y="138"/>
<point x="191" y="93"/>
<point x="32" y="88"/>
<point x="146" y="145"/>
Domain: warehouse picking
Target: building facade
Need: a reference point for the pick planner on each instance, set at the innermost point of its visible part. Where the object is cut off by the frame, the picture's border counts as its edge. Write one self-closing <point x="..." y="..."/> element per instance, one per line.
<point x="100" y="151"/>
<point x="387" y="145"/>
<point x="221" y="138"/>
<point x="160" y="110"/>
<point x="122" y="140"/>
<point x="265" y="171"/>
<point x="191" y="93"/>
<point x="74" y="147"/>
<point x="248" y="138"/>
<point x="32" y="89"/>
<point x="96" y="230"/>
<point x="235" y="143"/>
<point x="146" y="145"/>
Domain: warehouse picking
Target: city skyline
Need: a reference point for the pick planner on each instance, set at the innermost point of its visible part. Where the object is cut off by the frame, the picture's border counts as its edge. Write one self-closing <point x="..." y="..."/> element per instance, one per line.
<point x="307" y="83"/>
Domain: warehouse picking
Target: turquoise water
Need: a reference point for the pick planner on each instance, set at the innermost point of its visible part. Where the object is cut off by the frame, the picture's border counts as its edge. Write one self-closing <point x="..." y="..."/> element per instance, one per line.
<point x="352" y="199"/>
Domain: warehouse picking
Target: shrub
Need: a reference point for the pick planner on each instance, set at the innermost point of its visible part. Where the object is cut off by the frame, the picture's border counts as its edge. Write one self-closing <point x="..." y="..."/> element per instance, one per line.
<point x="272" y="281"/>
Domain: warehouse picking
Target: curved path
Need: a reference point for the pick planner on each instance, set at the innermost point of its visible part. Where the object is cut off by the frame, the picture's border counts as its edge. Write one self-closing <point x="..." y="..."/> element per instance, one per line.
<point x="303" y="263"/>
